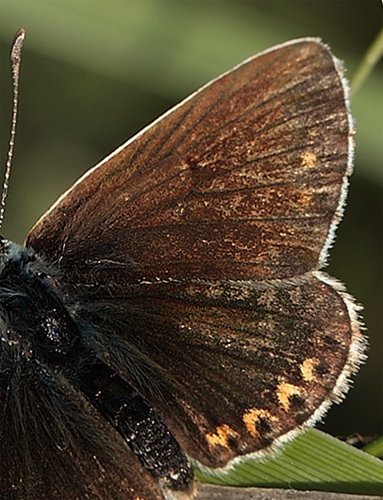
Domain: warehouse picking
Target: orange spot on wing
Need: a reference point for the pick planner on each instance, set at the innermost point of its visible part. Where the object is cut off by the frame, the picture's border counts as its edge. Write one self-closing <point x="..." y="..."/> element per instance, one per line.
<point x="284" y="392"/>
<point x="308" y="159"/>
<point x="307" y="369"/>
<point x="251" y="418"/>
<point x="221" y="436"/>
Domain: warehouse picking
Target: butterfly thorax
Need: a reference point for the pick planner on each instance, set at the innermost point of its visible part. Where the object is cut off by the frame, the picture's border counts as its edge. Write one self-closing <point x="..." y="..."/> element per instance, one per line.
<point x="35" y="323"/>
<point x="38" y="325"/>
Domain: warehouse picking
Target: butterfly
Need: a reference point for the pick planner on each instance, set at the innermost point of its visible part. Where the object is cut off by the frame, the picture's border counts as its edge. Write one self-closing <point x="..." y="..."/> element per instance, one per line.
<point x="170" y="306"/>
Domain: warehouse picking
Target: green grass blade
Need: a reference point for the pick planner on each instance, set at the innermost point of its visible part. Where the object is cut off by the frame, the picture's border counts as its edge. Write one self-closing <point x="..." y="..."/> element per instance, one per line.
<point x="375" y="448"/>
<point x="313" y="461"/>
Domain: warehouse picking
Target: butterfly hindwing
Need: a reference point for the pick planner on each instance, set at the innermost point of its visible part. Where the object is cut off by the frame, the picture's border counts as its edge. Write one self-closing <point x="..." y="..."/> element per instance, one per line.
<point x="232" y="367"/>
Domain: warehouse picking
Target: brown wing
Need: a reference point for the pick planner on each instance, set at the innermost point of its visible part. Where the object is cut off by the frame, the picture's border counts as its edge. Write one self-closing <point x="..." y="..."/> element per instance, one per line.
<point x="242" y="180"/>
<point x="194" y="249"/>
<point x="233" y="368"/>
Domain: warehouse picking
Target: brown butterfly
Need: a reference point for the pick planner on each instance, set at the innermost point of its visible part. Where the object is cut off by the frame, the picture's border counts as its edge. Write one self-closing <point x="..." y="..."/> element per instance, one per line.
<point x="170" y="305"/>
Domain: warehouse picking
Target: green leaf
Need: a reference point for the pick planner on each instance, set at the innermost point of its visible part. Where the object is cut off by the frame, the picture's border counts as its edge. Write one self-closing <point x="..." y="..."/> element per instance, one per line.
<point x="375" y="448"/>
<point x="312" y="461"/>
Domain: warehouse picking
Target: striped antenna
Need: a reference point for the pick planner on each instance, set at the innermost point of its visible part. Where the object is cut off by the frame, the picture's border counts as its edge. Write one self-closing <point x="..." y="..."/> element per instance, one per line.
<point x="15" y="57"/>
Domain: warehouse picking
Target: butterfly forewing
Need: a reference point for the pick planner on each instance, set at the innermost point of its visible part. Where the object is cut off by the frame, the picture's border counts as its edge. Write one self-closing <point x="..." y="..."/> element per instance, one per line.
<point x="240" y="181"/>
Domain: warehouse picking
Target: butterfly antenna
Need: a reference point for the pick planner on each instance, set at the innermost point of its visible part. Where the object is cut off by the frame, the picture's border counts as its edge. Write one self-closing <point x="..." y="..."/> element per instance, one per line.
<point x="15" y="57"/>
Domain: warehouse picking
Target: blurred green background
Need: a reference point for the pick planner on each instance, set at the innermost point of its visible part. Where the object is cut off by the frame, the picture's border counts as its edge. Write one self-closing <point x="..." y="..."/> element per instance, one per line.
<point x="95" y="72"/>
